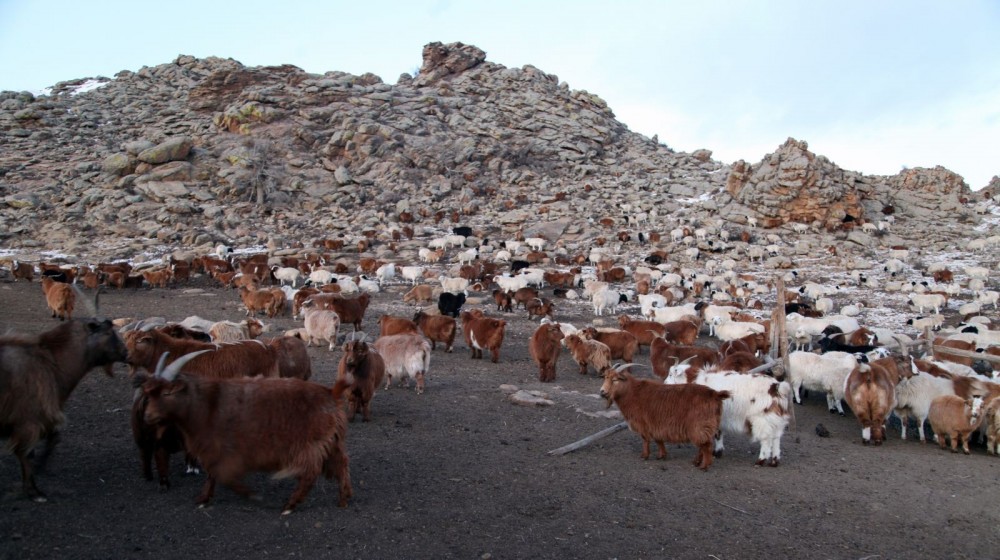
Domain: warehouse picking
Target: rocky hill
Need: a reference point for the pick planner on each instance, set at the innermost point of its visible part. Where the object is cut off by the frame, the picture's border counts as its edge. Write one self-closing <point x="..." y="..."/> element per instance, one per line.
<point x="200" y="151"/>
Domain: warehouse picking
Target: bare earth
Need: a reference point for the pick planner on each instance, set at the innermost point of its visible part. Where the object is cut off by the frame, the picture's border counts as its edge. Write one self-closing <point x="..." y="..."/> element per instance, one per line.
<point x="460" y="472"/>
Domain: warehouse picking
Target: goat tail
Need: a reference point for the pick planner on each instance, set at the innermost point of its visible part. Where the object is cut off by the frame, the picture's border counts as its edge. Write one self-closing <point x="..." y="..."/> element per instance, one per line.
<point x="339" y="388"/>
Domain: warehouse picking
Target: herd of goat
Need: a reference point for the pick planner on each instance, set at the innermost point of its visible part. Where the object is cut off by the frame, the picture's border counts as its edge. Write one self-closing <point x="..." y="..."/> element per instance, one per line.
<point x="197" y="380"/>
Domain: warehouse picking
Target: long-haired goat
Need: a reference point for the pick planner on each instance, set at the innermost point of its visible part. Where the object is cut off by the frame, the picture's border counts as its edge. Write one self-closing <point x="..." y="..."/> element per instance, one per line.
<point x="60" y="298"/>
<point x="362" y="368"/>
<point x="38" y="373"/>
<point x="687" y="413"/>
<point x="235" y="426"/>
<point x="544" y="348"/>
<point x="406" y="356"/>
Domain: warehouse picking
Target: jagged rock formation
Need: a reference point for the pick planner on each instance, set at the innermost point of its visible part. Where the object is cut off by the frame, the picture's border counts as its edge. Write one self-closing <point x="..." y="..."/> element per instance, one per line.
<point x="204" y="150"/>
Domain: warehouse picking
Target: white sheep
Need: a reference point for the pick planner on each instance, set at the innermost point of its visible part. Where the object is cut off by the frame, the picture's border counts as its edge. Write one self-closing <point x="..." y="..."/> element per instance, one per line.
<point x="734" y="330"/>
<point x="467" y="256"/>
<point x="933" y="322"/>
<point x="666" y="315"/>
<point x="800" y="228"/>
<point x="824" y="305"/>
<point x="980" y="272"/>
<point x="821" y="372"/>
<point x="320" y="276"/>
<point x="502" y="255"/>
<point x="649" y="301"/>
<point x="536" y="243"/>
<point x="988" y="297"/>
<point x="454" y="285"/>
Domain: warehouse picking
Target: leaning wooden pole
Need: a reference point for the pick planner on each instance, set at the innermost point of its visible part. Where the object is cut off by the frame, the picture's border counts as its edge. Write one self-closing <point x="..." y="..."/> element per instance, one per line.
<point x="589" y="439"/>
<point x="779" y="336"/>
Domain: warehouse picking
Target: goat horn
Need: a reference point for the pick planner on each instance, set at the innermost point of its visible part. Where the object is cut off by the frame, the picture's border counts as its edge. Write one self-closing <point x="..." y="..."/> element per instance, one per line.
<point x="620" y="367"/>
<point x="170" y="373"/>
<point x="90" y="305"/>
<point x="686" y="360"/>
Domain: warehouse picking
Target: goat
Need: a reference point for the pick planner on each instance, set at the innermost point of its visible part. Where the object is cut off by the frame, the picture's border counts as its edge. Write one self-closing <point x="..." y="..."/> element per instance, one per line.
<point x="587" y="352"/>
<point x="622" y="344"/>
<point x="437" y="328"/>
<point x="451" y="304"/>
<point x="685" y="413"/>
<point x="22" y="271"/>
<point x="821" y="372"/>
<point x="320" y="324"/>
<point x="38" y="373"/>
<point x="956" y="418"/>
<point x="228" y="331"/>
<point x="406" y="356"/>
<point x="60" y="298"/>
<point x="237" y="359"/>
<point x="544" y="348"/>
<point x="288" y="426"/>
<point x="292" y="357"/>
<point x="663" y="355"/>
<point x="539" y="307"/>
<point x="286" y="274"/>
<point x="389" y="324"/>
<point x="351" y="310"/>
<point x="503" y="300"/>
<point x="483" y="333"/>
<point x="362" y="368"/>
<point x="870" y="392"/>
<point x="421" y="293"/>
<point x="644" y="331"/>
<point x="758" y="407"/>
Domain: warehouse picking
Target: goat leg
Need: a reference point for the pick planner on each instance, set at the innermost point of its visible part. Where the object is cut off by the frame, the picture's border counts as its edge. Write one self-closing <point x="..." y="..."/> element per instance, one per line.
<point x="50" y="443"/>
<point x="207" y="490"/>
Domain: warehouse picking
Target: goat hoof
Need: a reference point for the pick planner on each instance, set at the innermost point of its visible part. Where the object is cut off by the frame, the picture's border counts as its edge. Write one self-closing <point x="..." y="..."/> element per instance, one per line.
<point x="759" y="463"/>
<point x="774" y="462"/>
<point x="841" y="413"/>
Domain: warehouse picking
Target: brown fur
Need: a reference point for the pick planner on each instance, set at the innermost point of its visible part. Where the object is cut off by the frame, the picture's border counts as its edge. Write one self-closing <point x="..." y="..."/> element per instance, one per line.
<point x="622" y="344"/>
<point x="350" y="310"/>
<point x="523" y="295"/>
<point x="248" y="358"/>
<point x="664" y="355"/>
<point x="421" y="293"/>
<point x="406" y="356"/>
<point x="644" y="331"/>
<point x="157" y="278"/>
<point x="59" y="297"/>
<point x="951" y="416"/>
<point x="588" y="352"/>
<point x="487" y="333"/>
<point x="437" y="328"/>
<point x="684" y="331"/>
<point x="957" y="345"/>
<point x="363" y="369"/>
<point x="292" y="357"/>
<point x="300" y="296"/>
<point x="284" y="426"/>
<point x="389" y="324"/>
<point x="38" y="373"/>
<point x="687" y="413"/>
<point x="739" y="361"/>
<point x="869" y="392"/>
<point x="540" y="307"/>
<point x="503" y="300"/>
<point x="545" y="349"/>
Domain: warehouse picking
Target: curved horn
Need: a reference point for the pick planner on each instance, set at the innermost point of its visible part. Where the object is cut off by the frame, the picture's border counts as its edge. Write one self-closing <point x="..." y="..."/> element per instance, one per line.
<point x="173" y="369"/>
<point x="159" y="364"/>
<point x="686" y="360"/>
<point x="620" y="367"/>
<point x="91" y="306"/>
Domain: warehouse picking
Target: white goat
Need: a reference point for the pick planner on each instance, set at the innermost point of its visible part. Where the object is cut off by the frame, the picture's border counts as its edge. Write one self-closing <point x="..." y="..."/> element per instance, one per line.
<point x="386" y="272"/>
<point x="821" y="372"/>
<point x="286" y="274"/>
<point x="930" y="301"/>
<point x="757" y="406"/>
<point x="412" y="273"/>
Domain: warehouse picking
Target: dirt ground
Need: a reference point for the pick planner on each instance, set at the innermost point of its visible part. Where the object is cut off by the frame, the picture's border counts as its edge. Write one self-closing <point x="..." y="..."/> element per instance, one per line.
<point x="461" y="472"/>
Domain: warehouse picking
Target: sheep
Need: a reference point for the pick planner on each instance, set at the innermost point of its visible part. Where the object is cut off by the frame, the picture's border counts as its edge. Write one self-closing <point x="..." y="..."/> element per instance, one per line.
<point x="454" y="285"/>
<point x="870" y="392"/>
<point x="60" y="298"/>
<point x="483" y="333"/>
<point x="228" y="331"/>
<point x="544" y="348"/>
<point x="932" y="322"/>
<point x="665" y="315"/>
<point x="289" y="426"/>
<point x="320" y="324"/>
<point x="37" y="375"/>
<point x="988" y="297"/>
<point x="759" y="406"/>
<point x="821" y="372"/>
<point x="977" y="272"/>
<point x="467" y="256"/>
<point x="667" y="413"/>
<point x="734" y="330"/>
<point x="956" y="418"/>
<point x="406" y="356"/>
<point x="588" y="352"/>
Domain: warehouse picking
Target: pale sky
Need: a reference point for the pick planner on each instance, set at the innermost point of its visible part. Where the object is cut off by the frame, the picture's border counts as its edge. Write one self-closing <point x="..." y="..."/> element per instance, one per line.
<point x="874" y="85"/>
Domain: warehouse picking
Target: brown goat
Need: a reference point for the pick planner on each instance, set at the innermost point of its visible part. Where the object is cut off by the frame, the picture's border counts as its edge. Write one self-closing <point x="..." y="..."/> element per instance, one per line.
<point x="740" y="361"/>
<point x="437" y="328"/>
<point x="644" y="331"/>
<point x="38" y="373"/>
<point x="686" y="413"/>
<point x="523" y="295"/>
<point x="483" y="333"/>
<point x="544" y="349"/>
<point x="955" y="418"/>
<point x="622" y="344"/>
<point x="663" y="355"/>
<point x="943" y="276"/>
<point x="300" y="296"/>
<point x="503" y="300"/>
<point x="157" y="278"/>
<point x="22" y="271"/>
<point x="870" y="393"/>
<point x="292" y="357"/>
<point x="350" y="310"/>
<point x="362" y="369"/>
<point x="588" y="352"/>
<point x="957" y="345"/>
<point x="389" y="324"/>
<point x="540" y="307"/>
<point x="257" y="301"/>
<point x="288" y="426"/>
<point x="684" y="331"/>
<point x="248" y="358"/>
<point x="421" y="293"/>
<point x="60" y="298"/>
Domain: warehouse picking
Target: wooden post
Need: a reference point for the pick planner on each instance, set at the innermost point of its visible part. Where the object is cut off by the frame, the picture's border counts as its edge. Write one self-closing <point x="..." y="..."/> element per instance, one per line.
<point x="779" y="336"/>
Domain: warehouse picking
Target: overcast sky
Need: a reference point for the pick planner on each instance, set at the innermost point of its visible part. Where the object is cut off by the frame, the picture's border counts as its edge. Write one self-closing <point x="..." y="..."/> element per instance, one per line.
<point x="874" y="85"/>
